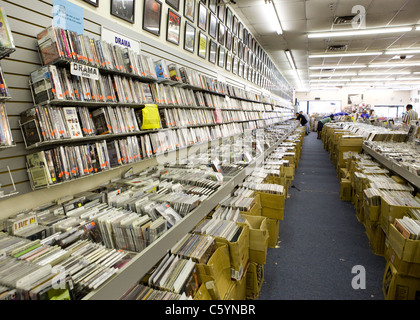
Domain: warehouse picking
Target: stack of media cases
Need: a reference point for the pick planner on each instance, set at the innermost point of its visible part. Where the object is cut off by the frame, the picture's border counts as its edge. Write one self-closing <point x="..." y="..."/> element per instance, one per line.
<point x="128" y="109"/>
<point x="71" y="248"/>
<point x="378" y="173"/>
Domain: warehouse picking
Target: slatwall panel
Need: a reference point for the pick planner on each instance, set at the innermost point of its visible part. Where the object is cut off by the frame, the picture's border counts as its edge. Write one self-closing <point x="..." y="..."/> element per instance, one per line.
<point x="27" y="18"/>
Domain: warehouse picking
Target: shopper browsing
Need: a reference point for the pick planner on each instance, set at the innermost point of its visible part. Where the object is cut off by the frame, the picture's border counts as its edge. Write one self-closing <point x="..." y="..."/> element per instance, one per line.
<point x="321" y="124"/>
<point x="410" y="114"/>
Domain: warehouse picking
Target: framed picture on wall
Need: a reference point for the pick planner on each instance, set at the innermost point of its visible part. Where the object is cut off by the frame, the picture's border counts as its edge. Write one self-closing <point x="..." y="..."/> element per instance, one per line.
<point x="173" y="27"/>
<point x="228" y="63"/>
<point x="123" y="9"/>
<point x="202" y="16"/>
<point x="173" y="3"/>
<point x="228" y="40"/>
<point x="152" y="13"/>
<point x="221" y="57"/>
<point x="202" y="45"/>
<point x="221" y="13"/>
<point x="212" y="51"/>
<point x="93" y="2"/>
<point x="228" y="21"/>
<point x="235" y="25"/>
<point x="189" y="37"/>
<point x="189" y="9"/>
<point x="221" y="35"/>
<point x="241" y="31"/>
<point x="213" y="6"/>
<point x="212" y="26"/>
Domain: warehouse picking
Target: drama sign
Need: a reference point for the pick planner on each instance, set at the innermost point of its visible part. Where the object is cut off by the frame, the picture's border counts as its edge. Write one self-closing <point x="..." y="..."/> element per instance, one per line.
<point x="118" y="39"/>
<point x="84" y="71"/>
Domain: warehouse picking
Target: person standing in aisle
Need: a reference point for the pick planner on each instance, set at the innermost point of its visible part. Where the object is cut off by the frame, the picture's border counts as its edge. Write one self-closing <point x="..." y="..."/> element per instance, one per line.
<point x="308" y="130"/>
<point x="321" y="124"/>
<point x="302" y="120"/>
<point x="410" y="115"/>
<point x="364" y="115"/>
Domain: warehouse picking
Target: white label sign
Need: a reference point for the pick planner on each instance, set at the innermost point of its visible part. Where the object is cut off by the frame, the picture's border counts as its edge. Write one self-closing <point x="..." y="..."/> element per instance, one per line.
<point x="118" y="39"/>
<point x="84" y="71"/>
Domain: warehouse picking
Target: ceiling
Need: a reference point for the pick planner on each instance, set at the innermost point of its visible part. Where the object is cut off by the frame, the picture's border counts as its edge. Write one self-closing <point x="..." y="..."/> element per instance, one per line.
<point x="302" y="17"/>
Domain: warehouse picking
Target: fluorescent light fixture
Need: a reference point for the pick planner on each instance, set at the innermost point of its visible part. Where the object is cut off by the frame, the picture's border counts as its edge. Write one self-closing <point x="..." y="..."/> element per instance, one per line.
<point x="273" y="16"/>
<point x="372" y="79"/>
<point x="359" y="32"/>
<point x="329" y="80"/>
<point x="290" y="58"/>
<point x="316" y="75"/>
<point x="402" y="51"/>
<point x="352" y="66"/>
<point x="417" y="28"/>
<point x="408" y="79"/>
<point x="384" y="73"/>
<point x="348" y="54"/>
<point x="392" y="65"/>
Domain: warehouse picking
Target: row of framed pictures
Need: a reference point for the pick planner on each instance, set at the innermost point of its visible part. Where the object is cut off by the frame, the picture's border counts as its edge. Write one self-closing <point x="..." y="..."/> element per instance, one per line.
<point x="221" y="25"/>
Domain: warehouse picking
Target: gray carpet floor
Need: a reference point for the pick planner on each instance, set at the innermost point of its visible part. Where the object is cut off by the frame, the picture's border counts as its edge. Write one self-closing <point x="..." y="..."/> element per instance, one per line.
<point x="320" y="239"/>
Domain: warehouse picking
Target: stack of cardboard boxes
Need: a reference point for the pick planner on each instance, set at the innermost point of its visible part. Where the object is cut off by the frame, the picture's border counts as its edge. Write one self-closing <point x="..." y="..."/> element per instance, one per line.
<point x="371" y="189"/>
<point x="236" y="269"/>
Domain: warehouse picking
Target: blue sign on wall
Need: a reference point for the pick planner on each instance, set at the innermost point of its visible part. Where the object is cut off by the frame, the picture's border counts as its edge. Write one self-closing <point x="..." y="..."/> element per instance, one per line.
<point x="68" y="16"/>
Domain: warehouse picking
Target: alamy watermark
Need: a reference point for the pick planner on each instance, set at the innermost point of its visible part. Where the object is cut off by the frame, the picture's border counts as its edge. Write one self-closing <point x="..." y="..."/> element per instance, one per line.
<point x="359" y="280"/>
<point x="359" y="20"/>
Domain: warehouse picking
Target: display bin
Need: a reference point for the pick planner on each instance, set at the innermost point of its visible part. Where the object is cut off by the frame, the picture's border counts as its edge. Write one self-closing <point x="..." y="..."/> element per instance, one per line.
<point x="398" y="287"/>
<point x="254" y="280"/>
<point x="372" y="213"/>
<point x="345" y="190"/>
<point x="404" y="268"/>
<point x="215" y="274"/>
<point x="256" y="208"/>
<point x="238" y="252"/>
<point x="237" y="289"/>
<point x="390" y="212"/>
<point x="202" y="293"/>
<point x="289" y="172"/>
<point x="376" y="238"/>
<point x="272" y="205"/>
<point x="407" y="250"/>
<point x="258" y="238"/>
<point x="273" y="232"/>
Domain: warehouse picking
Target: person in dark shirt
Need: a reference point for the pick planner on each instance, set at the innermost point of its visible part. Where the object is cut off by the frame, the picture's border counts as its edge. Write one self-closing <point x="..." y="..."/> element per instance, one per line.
<point x="301" y="118"/>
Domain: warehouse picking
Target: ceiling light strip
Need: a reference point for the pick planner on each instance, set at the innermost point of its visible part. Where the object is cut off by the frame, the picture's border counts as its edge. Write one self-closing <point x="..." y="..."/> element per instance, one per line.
<point x="359" y="32"/>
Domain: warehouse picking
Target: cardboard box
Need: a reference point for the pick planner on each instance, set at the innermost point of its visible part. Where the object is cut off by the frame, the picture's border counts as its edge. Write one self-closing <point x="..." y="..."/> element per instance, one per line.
<point x="256" y="208"/>
<point x="350" y="142"/>
<point x="238" y="252"/>
<point x="258" y="238"/>
<point x="273" y="232"/>
<point x="376" y="237"/>
<point x="216" y="272"/>
<point x="272" y="205"/>
<point x="237" y="290"/>
<point x="289" y="171"/>
<point x="390" y="212"/>
<point x="202" y="293"/>
<point x="404" y="268"/>
<point x="398" y="287"/>
<point x="254" y="280"/>
<point x="372" y="213"/>
<point x="345" y="190"/>
<point x="406" y="249"/>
